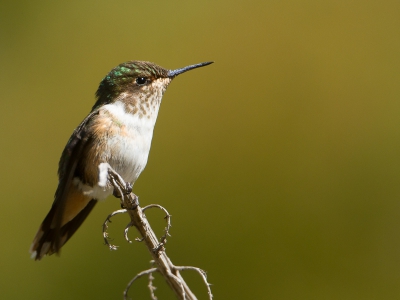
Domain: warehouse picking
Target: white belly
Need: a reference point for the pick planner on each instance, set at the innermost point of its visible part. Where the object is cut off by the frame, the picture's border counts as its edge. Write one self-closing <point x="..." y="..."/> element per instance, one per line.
<point x="129" y="151"/>
<point x="126" y="153"/>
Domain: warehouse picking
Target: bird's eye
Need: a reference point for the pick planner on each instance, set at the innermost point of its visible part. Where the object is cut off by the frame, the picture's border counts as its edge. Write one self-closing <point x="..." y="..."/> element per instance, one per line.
<point x="141" y="80"/>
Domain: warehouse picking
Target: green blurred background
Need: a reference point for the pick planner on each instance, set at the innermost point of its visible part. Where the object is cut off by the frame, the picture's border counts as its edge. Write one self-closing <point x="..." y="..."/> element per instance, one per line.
<point x="279" y="163"/>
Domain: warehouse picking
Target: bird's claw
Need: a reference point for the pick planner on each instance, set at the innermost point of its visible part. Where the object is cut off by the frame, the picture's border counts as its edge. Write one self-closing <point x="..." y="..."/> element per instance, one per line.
<point x="128" y="188"/>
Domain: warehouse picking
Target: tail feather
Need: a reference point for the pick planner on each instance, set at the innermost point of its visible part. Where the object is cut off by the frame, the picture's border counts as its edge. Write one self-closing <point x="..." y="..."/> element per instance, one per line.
<point x="50" y="239"/>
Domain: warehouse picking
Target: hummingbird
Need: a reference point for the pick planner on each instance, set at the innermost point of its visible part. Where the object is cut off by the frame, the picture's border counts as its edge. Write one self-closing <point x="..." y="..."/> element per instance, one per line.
<point x="116" y="133"/>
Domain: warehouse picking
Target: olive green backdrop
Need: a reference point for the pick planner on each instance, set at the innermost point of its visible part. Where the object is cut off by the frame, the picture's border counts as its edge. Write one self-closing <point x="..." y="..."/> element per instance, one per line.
<point x="279" y="163"/>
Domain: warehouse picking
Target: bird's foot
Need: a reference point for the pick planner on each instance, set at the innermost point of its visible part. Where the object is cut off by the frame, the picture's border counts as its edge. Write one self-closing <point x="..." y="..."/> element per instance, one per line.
<point x="128" y="188"/>
<point x="116" y="193"/>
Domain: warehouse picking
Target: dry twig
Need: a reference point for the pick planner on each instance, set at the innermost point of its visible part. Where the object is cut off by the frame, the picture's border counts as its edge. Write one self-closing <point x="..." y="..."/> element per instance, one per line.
<point x="162" y="262"/>
<point x="151" y="287"/>
<point x="105" y="227"/>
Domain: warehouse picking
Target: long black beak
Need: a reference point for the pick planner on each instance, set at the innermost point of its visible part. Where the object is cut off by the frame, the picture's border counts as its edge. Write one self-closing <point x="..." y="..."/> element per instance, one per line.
<point x="174" y="73"/>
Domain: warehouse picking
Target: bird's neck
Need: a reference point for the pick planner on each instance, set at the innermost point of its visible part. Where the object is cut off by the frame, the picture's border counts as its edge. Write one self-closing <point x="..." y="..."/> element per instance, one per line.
<point x="135" y="112"/>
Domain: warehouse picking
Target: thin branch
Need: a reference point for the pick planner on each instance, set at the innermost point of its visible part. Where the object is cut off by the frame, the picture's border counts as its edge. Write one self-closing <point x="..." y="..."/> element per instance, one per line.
<point x="180" y="282"/>
<point x="105" y="227"/>
<point x="126" y="232"/>
<point x="162" y="262"/>
<point x="151" y="287"/>
<point x="203" y="275"/>
<point x="146" y="272"/>
<point x="163" y="239"/>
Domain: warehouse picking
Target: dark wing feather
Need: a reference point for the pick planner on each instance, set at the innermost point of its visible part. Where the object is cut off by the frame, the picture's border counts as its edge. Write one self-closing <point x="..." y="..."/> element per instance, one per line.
<point x="67" y="170"/>
<point x="67" y="166"/>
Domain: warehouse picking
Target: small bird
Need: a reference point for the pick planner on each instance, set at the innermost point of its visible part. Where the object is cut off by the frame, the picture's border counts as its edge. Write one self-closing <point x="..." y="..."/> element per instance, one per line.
<point x="117" y="133"/>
